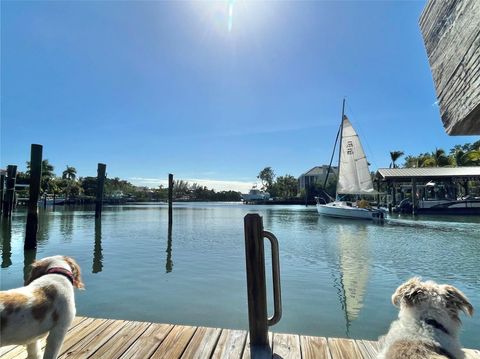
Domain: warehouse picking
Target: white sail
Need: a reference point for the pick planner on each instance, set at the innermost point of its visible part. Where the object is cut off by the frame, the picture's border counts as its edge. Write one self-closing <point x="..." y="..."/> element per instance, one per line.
<point x="354" y="176"/>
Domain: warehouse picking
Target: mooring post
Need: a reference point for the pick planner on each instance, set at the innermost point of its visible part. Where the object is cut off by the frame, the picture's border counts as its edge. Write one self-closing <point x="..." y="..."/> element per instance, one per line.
<point x="256" y="285"/>
<point x="414" y="196"/>
<point x="170" y="197"/>
<point x="10" y="190"/>
<point x="2" y="190"/>
<point x="101" y="170"/>
<point x="34" y="193"/>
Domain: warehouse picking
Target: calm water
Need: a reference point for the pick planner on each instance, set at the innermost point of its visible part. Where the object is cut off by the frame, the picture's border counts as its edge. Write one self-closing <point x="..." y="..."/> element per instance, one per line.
<point x="337" y="276"/>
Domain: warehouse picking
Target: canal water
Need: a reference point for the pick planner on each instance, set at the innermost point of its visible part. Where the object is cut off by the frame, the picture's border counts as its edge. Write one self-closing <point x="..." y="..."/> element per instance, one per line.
<point x="337" y="276"/>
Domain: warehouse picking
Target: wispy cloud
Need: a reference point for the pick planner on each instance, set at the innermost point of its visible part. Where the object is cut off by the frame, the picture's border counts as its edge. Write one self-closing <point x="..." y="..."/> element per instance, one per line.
<point x="217" y="185"/>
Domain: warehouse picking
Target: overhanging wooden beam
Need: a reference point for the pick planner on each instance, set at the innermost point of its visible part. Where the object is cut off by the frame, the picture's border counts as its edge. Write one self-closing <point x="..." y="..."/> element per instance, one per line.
<point x="451" y="32"/>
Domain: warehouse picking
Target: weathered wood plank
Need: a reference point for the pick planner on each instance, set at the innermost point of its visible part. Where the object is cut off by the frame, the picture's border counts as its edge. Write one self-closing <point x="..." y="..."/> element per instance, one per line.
<point x="286" y="346"/>
<point x="451" y="33"/>
<point x="230" y="344"/>
<point x="368" y="348"/>
<point x="246" y="351"/>
<point x="20" y="351"/>
<point x="94" y="340"/>
<point x="314" y="347"/>
<point x="202" y="344"/>
<point x="121" y="340"/>
<point x="148" y="341"/>
<point x="175" y="343"/>
<point x="343" y="348"/>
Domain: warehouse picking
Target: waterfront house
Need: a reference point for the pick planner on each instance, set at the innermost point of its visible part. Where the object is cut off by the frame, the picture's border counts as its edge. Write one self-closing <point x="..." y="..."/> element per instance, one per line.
<point x="315" y="176"/>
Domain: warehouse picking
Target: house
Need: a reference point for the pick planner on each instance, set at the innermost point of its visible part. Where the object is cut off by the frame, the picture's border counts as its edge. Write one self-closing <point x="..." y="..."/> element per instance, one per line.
<point x="316" y="175"/>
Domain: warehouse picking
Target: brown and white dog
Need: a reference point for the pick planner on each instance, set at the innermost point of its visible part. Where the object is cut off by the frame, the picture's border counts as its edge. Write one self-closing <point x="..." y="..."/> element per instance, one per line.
<point x="46" y="305"/>
<point x="428" y="323"/>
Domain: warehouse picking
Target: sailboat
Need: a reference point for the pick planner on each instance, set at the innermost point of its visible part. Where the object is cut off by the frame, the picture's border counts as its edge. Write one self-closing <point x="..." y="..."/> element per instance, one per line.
<point x="353" y="178"/>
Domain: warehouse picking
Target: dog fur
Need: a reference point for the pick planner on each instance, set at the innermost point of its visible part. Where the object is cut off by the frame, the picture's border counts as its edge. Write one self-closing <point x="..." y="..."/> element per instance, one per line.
<point x="428" y="323"/>
<point x="45" y="305"/>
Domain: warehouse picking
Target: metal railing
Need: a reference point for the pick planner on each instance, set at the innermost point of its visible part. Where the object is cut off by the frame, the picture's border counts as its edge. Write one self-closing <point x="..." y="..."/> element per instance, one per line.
<point x="256" y="284"/>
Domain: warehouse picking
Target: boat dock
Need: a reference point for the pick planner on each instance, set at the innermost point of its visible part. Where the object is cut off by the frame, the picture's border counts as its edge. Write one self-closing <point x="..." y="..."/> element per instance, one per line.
<point x="111" y="339"/>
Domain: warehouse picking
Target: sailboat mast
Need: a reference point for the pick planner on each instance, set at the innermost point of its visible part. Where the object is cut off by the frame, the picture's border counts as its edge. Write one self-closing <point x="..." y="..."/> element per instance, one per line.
<point x="340" y="146"/>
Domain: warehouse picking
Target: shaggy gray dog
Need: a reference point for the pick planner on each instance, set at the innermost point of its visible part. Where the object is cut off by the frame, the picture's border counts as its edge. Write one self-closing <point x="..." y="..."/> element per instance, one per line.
<point x="428" y="323"/>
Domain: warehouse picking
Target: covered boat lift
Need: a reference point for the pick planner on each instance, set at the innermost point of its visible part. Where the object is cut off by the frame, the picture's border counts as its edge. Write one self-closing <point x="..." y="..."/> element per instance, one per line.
<point x="445" y="190"/>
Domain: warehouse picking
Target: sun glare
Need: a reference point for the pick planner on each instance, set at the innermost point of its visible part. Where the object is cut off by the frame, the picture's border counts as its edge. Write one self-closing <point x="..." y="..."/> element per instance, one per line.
<point x="233" y="17"/>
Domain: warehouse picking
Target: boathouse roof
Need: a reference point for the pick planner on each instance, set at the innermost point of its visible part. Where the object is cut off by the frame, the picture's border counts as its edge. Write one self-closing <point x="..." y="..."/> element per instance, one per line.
<point x="428" y="172"/>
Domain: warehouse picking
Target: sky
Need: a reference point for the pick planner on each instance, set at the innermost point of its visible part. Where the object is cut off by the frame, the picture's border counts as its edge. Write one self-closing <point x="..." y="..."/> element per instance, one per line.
<point x="212" y="92"/>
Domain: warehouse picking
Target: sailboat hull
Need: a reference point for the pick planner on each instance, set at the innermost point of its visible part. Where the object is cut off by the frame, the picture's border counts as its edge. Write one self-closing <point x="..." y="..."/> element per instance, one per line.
<point x="342" y="210"/>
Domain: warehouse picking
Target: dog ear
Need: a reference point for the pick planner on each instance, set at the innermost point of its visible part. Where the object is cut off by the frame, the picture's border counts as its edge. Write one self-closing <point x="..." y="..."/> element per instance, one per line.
<point x="411" y="292"/>
<point x="38" y="268"/>
<point x="458" y="300"/>
<point x="77" y="275"/>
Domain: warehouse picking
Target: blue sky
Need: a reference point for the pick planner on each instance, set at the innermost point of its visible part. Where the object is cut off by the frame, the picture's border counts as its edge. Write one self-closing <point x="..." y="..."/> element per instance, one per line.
<point x="152" y="88"/>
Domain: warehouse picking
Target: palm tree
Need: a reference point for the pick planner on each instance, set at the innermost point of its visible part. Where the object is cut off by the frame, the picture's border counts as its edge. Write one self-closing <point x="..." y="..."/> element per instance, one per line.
<point x="395" y="155"/>
<point x="70" y="173"/>
<point x="47" y="169"/>
<point x="438" y="158"/>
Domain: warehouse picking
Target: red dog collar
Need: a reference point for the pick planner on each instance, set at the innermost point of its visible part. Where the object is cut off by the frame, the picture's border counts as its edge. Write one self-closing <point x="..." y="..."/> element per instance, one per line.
<point x="62" y="271"/>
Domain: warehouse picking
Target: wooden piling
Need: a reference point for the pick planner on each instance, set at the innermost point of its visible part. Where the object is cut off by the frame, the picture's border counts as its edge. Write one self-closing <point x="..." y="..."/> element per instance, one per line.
<point x="34" y="192"/>
<point x="169" y="262"/>
<point x="170" y="198"/>
<point x="256" y="286"/>
<point x="10" y="190"/>
<point x="414" y="196"/>
<point x="2" y="190"/>
<point x="101" y="170"/>
<point x="256" y="283"/>
<point x="97" y="249"/>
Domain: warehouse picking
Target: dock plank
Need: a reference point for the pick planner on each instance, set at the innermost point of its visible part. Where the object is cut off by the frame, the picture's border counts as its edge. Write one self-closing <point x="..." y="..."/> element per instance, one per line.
<point x="20" y="351"/>
<point x="368" y="348"/>
<point x="286" y="346"/>
<point x="148" y="341"/>
<point x="246" y="351"/>
<point x="175" y="343"/>
<point x="230" y="344"/>
<point x="314" y="347"/>
<point x="94" y="340"/>
<point x="343" y="348"/>
<point x="202" y="344"/>
<point x="121" y="341"/>
<point x="115" y="339"/>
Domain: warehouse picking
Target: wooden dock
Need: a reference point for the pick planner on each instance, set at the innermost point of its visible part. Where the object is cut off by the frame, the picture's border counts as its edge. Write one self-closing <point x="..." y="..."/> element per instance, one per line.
<point x="109" y="339"/>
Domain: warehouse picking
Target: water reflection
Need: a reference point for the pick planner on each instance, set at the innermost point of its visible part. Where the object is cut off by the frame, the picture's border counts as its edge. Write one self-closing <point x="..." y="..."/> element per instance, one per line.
<point x="97" y="249"/>
<point x="353" y="256"/>
<point x="169" y="262"/>
<point x="6" y="231"/>
<point x="66" y="225"/>
<point x="350" y="270"/>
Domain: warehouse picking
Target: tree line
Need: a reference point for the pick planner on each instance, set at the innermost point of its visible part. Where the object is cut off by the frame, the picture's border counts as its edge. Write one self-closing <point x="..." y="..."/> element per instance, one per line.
<point x="458" y="156"/>
<point x="73" y="188"/>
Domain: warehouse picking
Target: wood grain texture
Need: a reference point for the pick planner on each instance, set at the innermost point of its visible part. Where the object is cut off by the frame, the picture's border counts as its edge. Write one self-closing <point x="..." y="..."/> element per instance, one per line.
<point x="314" y="347"/>
<point x="451" y="33"/>
<point x="112" y="339"/>
<point x="175" y="343"/>
<point x="343" y="348"/>
<point x="230" y="344"/>
<point x="202" y="344"/>
<point x="286" y="346"/>
<point x="148" y="341"/>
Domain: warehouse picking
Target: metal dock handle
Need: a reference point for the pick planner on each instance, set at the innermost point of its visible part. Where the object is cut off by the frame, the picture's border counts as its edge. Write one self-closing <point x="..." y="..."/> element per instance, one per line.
<point x="277" y="293"/>
<point x="256" y="283"/>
